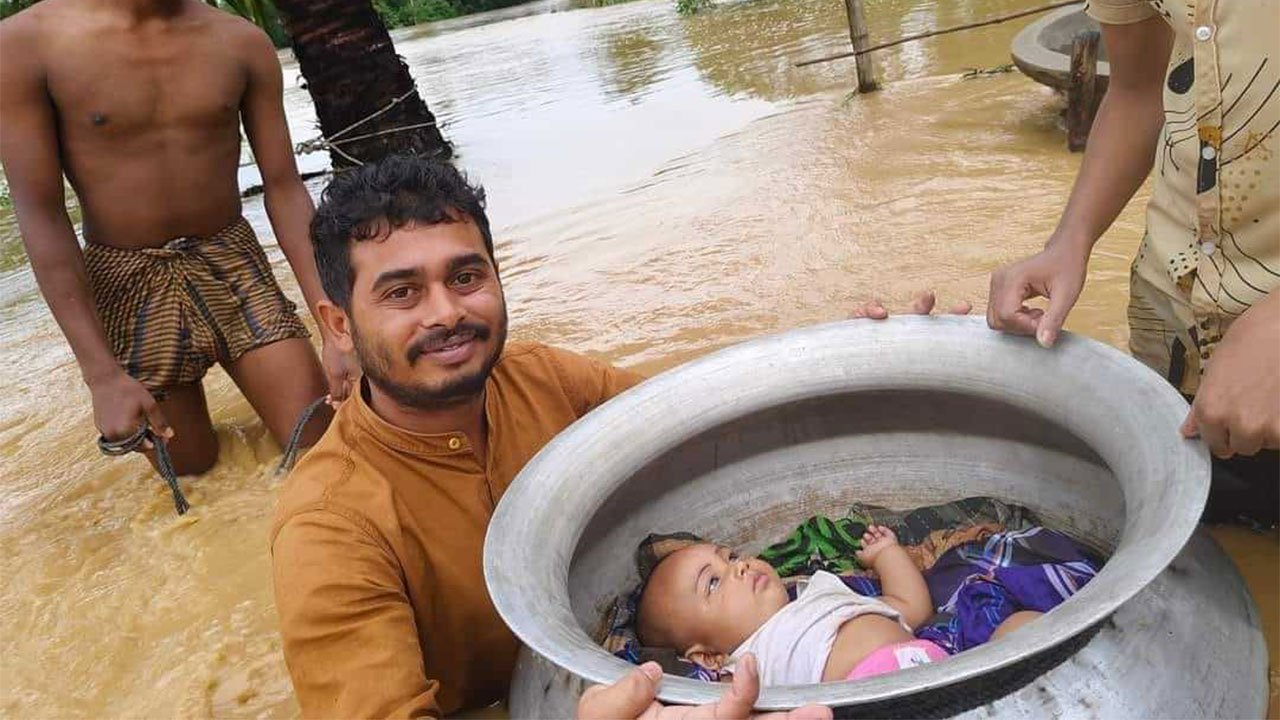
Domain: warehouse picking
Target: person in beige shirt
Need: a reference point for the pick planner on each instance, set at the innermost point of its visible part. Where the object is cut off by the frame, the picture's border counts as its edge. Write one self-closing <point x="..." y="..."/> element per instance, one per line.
<point x="1194" y="100"/>
<point x="377" y="540"/>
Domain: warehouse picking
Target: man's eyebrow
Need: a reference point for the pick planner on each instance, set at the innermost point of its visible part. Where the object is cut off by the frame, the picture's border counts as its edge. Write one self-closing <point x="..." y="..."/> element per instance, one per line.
<point x="462" y="261"/>
<point x="698" y="580"/>
<point x="391" y="276"/>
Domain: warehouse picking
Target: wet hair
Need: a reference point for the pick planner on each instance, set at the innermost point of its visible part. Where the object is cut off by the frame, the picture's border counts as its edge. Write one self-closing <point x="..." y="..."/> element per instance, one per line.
<point x="373" y="200"/>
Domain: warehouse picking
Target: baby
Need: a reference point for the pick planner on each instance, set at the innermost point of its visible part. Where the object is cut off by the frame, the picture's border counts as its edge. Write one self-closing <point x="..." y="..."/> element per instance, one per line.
<point x="715" y="606"/>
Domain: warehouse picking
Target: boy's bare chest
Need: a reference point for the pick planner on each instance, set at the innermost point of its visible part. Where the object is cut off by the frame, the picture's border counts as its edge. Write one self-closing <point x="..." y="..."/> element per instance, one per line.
<point x="127" y="89"/>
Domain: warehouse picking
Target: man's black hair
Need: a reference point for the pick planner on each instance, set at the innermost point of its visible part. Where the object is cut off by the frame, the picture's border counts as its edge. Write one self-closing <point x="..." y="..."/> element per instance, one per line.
<point x="371" y="201"/>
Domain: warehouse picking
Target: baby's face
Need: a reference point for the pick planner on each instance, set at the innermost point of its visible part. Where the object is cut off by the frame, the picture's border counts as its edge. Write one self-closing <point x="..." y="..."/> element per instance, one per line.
<point x="709" y="596"/>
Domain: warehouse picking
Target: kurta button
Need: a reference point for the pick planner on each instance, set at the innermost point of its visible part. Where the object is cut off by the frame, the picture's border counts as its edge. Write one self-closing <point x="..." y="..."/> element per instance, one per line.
<point x="1208" y="248"/>
<point x="1204" y="32"/>
<point x="1208" y="152"/>
<point x="454" y="443"/>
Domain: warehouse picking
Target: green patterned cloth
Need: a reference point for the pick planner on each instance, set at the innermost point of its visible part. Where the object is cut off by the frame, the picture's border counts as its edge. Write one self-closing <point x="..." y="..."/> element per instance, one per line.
<point x="821" y="543"/>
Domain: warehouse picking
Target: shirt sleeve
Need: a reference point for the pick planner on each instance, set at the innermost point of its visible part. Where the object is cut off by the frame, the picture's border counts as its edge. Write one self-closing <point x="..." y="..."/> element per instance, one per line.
<point x="589" y="382"/>
<point x="350" y="640"/>
<point x="1119" y="12"/>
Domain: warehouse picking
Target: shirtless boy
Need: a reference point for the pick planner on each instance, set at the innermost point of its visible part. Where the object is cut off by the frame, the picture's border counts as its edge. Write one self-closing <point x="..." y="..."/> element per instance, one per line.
<point x="139" y="104"/>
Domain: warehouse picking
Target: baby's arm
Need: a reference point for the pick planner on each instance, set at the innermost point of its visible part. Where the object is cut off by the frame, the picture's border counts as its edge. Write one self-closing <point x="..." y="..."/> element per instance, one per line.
<point x="901" y="583"/>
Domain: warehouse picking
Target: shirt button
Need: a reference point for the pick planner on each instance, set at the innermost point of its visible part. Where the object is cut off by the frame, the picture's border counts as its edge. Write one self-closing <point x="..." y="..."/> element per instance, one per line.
<point x="454" y="443"/>
<point x="1204" y="32"/>
<point x="1208" y="248"/>
<point x="1208" y="152"/>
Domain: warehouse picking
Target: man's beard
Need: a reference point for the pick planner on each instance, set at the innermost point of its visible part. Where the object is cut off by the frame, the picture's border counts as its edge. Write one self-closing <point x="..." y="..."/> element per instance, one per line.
<point x="376" y="361"/>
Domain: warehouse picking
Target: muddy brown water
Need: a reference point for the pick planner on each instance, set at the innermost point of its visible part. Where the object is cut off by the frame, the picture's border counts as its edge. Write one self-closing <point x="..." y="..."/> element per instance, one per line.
<point x="661" y="187"/>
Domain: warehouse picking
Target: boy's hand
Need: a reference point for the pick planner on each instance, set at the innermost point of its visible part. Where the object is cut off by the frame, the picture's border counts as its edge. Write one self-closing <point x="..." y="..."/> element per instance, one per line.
<point x="121" y="405"/>
<point x="874" y="541"/>
<point x="340" y="369"/>
<point x="1056" y="273"/>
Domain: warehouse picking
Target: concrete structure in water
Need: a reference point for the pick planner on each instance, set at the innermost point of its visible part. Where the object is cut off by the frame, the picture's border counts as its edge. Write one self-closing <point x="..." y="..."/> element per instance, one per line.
<point x="1042" y="50"/>
<point x="742" y="445"/>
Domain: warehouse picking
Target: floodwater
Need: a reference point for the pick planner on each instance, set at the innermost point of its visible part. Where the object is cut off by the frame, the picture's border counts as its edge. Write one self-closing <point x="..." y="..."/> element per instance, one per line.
<point x="661" y="186"/>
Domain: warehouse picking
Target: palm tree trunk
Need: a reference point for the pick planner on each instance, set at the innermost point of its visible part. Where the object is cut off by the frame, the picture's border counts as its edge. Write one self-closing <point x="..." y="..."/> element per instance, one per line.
<point x="352" y="72"/>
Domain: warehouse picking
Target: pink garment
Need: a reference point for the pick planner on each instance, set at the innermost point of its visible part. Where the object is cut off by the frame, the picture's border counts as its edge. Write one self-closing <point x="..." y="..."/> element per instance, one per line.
<point x="898" y="656"/>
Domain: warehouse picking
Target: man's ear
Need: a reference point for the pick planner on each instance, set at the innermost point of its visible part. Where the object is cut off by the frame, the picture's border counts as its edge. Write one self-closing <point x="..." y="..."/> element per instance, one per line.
<point x="706" y="657"/>
<point x="336" y="325"/>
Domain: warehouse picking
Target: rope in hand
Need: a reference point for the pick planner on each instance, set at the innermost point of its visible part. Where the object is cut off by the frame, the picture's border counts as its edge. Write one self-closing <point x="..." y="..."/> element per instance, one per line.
<point x="295" y="438"/>
<point x="164" y="463"/>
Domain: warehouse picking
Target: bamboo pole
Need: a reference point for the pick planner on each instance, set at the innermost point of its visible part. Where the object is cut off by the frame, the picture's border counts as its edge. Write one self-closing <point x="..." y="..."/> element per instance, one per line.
<point x="968" y="26"/>
<point x="861" y="40"/>
<point x="1083" y="90"/>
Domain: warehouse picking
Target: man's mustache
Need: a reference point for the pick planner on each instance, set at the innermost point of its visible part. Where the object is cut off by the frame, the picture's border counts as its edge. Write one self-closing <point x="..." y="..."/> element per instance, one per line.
<point x="438" y="338"/>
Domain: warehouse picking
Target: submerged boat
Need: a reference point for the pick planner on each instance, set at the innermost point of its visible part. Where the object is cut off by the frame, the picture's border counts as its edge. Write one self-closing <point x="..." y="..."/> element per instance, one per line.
<point x="743" y="444"/>
<point x="1042" y="50"/>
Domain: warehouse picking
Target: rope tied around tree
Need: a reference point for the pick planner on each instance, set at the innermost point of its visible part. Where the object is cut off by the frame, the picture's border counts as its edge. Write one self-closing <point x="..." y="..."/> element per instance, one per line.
<point x="332" y="142"/>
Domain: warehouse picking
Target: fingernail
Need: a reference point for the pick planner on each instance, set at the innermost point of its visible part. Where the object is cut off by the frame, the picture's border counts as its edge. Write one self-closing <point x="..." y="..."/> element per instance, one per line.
<point x="1045" y="338"/>
<point x="653" y="670"/>
<point x="749" y="662"/>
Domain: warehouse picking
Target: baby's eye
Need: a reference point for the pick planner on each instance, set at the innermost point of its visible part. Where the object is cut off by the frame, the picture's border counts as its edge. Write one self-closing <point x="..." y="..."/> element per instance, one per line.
<point x="733" y="556"/>
<point x="713" y="584"/>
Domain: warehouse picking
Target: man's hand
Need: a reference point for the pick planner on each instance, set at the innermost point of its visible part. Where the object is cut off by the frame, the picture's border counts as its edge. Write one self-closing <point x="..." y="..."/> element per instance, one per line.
<point x="341" y="371"/>
<point x="1237" y="408"/>
<point x="632" y="698"/>
<point x="921" y="304"/>
<point x="1056" y="273"/>
<point x="121" y="405"/>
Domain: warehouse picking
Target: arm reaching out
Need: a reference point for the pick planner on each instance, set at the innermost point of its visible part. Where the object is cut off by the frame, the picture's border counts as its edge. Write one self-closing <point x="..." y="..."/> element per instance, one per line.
<point x="1237" y="409"/>
<point x="30" y="153"/>
<point x="288" y="203"/>
<point x="1118" y="158"/>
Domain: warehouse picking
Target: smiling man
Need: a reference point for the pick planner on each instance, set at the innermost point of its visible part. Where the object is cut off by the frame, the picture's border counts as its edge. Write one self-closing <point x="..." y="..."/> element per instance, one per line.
<point x="376" y="548"/>
<point x="379" y="531"/>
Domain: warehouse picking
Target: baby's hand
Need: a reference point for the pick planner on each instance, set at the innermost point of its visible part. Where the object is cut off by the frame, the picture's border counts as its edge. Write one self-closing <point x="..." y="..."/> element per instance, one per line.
<point x="874" y="541"/>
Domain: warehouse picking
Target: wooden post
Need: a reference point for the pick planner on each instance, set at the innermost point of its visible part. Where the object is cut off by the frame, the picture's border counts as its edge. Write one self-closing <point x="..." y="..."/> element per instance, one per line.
<point x="1082" y="92"/>
<point x="861" y="41"/>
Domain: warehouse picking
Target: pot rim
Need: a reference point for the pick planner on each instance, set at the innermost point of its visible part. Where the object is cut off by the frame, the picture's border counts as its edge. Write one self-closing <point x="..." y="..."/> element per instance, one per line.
<point x="1125" y="412"/>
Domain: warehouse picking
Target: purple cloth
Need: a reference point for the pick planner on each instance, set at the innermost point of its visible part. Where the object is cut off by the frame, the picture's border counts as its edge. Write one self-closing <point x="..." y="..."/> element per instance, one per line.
<point x="977" y="586"/>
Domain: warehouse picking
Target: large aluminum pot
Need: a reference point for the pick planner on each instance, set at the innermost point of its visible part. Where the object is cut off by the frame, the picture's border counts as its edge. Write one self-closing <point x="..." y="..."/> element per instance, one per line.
<point x="743" y="444"/>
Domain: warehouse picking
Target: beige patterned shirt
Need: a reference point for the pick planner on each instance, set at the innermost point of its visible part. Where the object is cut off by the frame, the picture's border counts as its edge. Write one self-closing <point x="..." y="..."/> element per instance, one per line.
<point x="1212" y="247"/>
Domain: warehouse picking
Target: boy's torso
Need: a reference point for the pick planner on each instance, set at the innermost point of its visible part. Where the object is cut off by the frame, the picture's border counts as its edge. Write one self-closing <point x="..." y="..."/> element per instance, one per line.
<point x="147" y="117"/>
